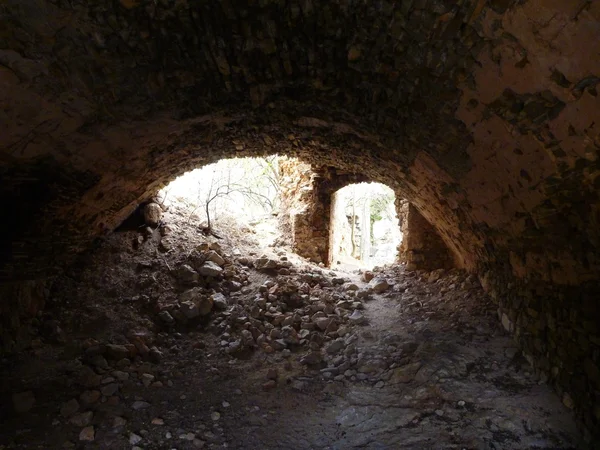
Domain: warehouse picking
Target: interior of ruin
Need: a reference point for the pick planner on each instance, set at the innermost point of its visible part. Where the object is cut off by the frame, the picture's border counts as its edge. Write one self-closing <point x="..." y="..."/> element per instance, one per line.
<point x="126" y="325"/>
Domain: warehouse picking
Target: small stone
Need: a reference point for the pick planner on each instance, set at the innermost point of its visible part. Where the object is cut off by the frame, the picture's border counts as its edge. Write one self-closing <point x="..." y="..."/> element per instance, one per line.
<point x="367" y="276"/>
<point x="87" y="434"/>
<point x="82" y="419"/>
<point x="155" y="355"/>
<point x="335" y="346"/>
<point x="90" y="397"/>
<point x="189" y="310"/>
<point x="311" y="359"/>
<point x="271" y="384"/>
<point x="379" y="285"/>
<point x="147" y="379"/>
<point x="166" y="317"/>
<point x="69" y="408"/>
<point x="121" y="376"/>
<point x="461" y="403"/>
<point x="216" y="258"/>
<point x="298" y="385"/>
<point x="215" y="415"/>
<point x="119" y="422"/>
<point x="138" y="404"/>
<point x="135" y="439"/>
<point x="187" y="436"/>
<point x="116" y="352"/>
<point x="357" y="317"/>
<point x="158" y="421"/>
<point x="196" y="297"/>
<point x="210" y="269"/>
<point x="23" y="401"/>
<point x="266" y="264"/>
<point x="322" y="322"/>
<point x="109" y="389"/>
<point x="186" y="274"/>
<point x="568" y="400"/>
<point x="219" y="301"/>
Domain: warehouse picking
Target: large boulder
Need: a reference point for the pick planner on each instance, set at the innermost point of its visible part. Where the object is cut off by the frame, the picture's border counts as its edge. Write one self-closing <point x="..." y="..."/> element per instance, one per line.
<point x="152" y="214"/>
<point x="379" y="285"/>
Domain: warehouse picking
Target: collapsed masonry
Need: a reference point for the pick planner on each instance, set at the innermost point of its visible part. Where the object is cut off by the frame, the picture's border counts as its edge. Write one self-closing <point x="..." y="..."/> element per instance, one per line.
<point x="307" y="195"/>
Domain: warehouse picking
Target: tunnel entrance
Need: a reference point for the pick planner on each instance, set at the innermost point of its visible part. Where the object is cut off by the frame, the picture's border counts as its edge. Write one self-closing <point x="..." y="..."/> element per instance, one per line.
<point x="232" y="196"/>
<point x="364" y="229"/>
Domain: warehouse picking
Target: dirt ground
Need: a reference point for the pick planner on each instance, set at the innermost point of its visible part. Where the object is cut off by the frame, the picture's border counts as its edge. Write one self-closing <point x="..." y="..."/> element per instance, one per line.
<point x="145" y="344"/>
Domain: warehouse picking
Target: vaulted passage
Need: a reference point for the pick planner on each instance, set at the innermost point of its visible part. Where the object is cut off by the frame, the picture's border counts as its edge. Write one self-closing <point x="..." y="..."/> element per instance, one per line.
<point x="483" y="115"/>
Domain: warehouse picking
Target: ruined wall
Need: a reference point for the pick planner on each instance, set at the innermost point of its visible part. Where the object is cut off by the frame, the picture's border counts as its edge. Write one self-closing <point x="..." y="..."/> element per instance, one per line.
<point x="484" y="115"/>
<point x="301" y="213"/>
<point x="421" y="248"/>
<point x="307" y="194"/>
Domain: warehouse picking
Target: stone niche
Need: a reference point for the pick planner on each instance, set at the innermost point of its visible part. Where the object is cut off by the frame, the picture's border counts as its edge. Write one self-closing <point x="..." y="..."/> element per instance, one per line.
<point x="421" y="248"/>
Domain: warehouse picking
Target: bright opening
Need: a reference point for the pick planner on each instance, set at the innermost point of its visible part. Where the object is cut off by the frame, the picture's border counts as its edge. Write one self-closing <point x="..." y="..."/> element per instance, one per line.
<point x="230" y="195"/>
<point x="364" y="226"/>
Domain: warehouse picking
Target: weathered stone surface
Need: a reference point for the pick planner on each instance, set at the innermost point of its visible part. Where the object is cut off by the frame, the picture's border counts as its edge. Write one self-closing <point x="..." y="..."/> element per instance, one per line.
<point x="186" y="274"/>
<point x="421" y="246"/>
<point x="87" y="434"/>
<point x="482" y="114"/>
<point x="210" y="269"/>
<point x="216" y="258"/>
<point x="219" y="301"/>
<point x="379" y="285"/>
<point x="195" y="303"/>
<point x="152" y="214"/>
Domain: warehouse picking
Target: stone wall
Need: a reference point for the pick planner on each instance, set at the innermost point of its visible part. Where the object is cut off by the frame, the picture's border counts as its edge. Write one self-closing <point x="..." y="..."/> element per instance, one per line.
<point x="301" y="217"/>
<point x="421" y="248"/>
<point x="307" y="194"/>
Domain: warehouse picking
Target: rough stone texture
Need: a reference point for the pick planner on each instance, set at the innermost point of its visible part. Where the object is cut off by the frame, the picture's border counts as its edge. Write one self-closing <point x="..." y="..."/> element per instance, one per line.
<point x="298" y="206"/>
<point x="306" y="205"/>
<point x="484" y="115"/>
<point x="421" y="247"/>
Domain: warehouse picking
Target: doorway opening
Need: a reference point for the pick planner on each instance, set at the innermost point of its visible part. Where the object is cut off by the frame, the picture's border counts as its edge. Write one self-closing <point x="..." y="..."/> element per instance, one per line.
<point x="230" y="196"/>
<point x="364" y="230"/>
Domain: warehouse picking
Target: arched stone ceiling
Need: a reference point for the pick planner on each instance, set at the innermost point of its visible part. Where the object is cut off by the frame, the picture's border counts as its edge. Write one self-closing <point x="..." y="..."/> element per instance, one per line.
<point x="482" y="113"/>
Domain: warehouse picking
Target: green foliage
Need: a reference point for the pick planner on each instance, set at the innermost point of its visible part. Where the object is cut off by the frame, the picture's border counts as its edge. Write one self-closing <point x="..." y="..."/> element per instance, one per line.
<point x="380" y="206"/>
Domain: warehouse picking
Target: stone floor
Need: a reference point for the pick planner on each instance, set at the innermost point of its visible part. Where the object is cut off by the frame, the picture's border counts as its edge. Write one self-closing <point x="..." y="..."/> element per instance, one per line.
<point x="419" y="361"/>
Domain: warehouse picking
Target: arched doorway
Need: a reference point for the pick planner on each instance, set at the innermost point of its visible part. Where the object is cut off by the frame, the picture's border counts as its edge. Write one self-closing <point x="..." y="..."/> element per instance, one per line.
<point x="364" y="230"/>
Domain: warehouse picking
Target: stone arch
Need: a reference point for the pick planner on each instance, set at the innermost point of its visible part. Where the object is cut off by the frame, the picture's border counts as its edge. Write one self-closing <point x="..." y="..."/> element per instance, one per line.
<point x="484" y="115"/>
